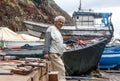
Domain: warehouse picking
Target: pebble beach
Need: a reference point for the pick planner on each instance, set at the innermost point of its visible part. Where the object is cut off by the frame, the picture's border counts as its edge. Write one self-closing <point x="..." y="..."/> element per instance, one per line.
<point x="108" y="76"/>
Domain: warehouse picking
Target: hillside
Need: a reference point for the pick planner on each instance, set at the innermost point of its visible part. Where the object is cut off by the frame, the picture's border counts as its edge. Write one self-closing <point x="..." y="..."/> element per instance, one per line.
<point x="14" y="12"/>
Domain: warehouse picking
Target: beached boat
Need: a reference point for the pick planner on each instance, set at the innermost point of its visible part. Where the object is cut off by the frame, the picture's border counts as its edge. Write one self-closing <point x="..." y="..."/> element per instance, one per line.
<point x="111" y="55"/>
<point x="12" y="40"/>
<point x="84" y="59"/>
<point x="89" y="25"/>
<point x="78" y="59"/>
<point x="23" y="51"/>
<point x="20" y="44"/>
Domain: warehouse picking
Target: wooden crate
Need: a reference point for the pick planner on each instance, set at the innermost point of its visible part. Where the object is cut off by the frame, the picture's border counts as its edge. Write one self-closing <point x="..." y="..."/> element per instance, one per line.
<point x="53" y="76"/>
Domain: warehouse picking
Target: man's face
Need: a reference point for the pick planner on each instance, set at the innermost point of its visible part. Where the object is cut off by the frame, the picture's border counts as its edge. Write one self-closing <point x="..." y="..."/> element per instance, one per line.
<point x="59" y="23"/>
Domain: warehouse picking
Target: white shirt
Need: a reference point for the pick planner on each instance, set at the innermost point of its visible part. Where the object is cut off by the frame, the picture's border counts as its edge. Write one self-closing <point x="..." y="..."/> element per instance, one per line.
<point x="56" y="45"/>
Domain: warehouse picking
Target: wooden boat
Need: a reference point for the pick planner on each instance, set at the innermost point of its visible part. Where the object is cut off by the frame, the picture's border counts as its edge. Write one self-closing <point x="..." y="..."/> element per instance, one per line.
<point x="10" y="39"/>
<point x="84" y="59"/>
<point x="23" y="51"/>
<point x="21" y="44"/>
<point x="89" y="25"/>
<point x="111" y="56"/>
<point x="78" y="59"/>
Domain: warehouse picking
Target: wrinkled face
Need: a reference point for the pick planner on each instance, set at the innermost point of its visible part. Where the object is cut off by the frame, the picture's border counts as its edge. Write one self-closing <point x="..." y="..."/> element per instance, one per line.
<point x="59" y="23"/>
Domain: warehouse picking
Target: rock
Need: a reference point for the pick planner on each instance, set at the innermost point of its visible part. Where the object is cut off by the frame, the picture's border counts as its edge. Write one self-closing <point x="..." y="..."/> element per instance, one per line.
<point x="14" y="12"/>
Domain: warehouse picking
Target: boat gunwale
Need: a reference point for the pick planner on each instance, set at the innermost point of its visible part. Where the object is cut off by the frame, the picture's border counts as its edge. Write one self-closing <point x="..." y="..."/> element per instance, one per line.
<point x="90" y="45"/>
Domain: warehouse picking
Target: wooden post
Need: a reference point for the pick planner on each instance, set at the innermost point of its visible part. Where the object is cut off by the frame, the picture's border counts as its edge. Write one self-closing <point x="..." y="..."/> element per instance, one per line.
<point x="53" y="76"/>
<point x="44" y="71"/>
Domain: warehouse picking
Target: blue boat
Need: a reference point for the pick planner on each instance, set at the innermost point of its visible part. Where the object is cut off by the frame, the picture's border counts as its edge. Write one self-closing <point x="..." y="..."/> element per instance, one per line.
<point x="111" y="56"/>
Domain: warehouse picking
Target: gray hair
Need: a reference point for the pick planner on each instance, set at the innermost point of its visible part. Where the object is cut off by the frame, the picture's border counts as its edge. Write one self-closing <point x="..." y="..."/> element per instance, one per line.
<point x="59" y="17"/>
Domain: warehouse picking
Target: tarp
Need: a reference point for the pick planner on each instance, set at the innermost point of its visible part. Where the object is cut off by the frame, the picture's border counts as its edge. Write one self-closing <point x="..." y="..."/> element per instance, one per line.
<point x="8" y="35"/>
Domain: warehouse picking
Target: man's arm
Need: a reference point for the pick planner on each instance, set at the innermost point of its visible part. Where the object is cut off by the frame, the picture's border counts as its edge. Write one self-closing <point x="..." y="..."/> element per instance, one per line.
<point x="47" y="43"/>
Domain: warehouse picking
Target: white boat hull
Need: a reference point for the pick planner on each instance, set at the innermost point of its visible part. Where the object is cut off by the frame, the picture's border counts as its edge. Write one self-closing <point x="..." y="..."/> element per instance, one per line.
<point x="38" y="29"/>
<point x="9" y="44"/>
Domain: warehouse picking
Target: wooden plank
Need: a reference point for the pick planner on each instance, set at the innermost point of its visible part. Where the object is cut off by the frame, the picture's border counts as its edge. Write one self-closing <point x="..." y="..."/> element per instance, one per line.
<point x="43" y="72"/>
<point x="16" y="77"/>
<point x="33" y="76"/>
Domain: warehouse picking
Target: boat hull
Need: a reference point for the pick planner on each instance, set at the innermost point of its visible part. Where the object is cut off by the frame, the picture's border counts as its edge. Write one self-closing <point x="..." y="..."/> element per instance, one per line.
<point x="24" y="51"/>
<point x="10" y="44"/>
<point x="84" y="32"/>
<point x="84" y="60"/>
<point x="110" y="58"/>
<point x="110" y="61"/>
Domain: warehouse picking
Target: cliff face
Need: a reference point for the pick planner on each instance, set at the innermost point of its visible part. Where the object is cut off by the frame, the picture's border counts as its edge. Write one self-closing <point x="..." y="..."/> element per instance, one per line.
<point x="14" y="12"/>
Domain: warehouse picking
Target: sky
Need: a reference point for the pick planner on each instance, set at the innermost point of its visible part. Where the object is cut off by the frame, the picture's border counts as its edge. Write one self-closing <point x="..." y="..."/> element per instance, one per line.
<point x="112" y="6"/>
